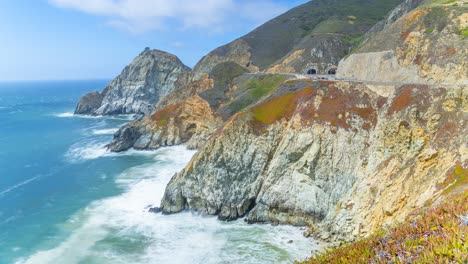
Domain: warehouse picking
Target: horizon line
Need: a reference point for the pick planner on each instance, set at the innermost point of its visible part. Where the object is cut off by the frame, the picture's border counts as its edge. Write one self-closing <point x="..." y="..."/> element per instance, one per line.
<point x="55" y="80"/>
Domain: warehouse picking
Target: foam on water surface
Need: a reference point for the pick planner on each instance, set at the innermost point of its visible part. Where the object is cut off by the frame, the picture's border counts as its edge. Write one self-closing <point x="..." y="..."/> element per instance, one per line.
<point x="121" y="230"/>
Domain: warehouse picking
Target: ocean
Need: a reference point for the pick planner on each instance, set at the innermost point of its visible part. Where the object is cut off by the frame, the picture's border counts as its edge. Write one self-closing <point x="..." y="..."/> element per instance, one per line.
<point x="65" y="199"/>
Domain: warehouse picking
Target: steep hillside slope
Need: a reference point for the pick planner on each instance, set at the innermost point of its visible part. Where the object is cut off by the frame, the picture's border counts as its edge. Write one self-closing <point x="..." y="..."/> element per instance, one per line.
<point x="141" y="85"/>
<point x="344" y="157"/>
<point x="426" y="45"/>
<point x="316" y="34"/>
<point x="194" y="111"/>
<point x="434" y="235"/>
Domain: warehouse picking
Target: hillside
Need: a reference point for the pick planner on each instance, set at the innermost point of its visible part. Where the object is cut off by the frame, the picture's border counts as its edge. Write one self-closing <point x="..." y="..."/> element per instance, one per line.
<point x="344" y="157"/>
<point x="337" y="24"/>
<point x="142" y="84"/>
<point x="434" y="235"/>
<point x="426" y="46"/>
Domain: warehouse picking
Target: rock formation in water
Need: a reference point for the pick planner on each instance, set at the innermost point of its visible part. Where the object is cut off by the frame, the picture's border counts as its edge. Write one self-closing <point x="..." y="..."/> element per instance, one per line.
<point x="140" y="86"/>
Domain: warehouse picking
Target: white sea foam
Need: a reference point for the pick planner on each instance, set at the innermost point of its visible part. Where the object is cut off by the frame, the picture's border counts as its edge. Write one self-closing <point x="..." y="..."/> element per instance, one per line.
<point x="72" y="115"/>
<point x="120" y="230"/>
<point x="108" y="131"/>
<point x="64" y="115"/>
<point x="94" y="149"/>
<point x="83" y="151"/>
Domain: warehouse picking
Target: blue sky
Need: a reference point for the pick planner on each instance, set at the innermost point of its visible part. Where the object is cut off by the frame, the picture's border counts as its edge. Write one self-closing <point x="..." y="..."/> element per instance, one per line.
<point x="95" y="39"/>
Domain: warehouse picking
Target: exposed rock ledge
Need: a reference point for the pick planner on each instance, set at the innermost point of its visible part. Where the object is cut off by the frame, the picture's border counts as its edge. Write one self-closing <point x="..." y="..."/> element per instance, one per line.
<point x="334" y="155"/>
<point x="377" y="66"/>
<point x="140" y="86"/>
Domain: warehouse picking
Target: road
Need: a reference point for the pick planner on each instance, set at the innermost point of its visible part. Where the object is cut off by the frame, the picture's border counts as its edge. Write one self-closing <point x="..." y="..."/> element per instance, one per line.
<point x="333" y="78"/>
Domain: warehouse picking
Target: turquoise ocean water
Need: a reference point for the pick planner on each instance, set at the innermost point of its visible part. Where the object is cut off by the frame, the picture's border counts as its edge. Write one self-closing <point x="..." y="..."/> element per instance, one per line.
<point x="65" y="199"/>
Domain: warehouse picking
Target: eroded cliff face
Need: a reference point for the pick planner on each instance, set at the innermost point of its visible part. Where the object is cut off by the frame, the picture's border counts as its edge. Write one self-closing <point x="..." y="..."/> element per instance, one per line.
<point x="425" y="46"/>
<point x="141" y="85"/>
<point x="192" y="112"/>
<point x="342" y="157"/>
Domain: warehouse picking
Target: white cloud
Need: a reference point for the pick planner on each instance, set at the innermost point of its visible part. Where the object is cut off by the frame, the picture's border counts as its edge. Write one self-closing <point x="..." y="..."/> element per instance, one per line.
<point x="144" y="15"/>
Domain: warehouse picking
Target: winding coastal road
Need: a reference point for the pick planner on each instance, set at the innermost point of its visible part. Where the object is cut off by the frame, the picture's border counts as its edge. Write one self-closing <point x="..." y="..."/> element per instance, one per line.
<point x="333" y="78"/>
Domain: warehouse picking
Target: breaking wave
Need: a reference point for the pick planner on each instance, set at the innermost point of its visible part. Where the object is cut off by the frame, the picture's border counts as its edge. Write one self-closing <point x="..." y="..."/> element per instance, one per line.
<point x="121" y="230"/>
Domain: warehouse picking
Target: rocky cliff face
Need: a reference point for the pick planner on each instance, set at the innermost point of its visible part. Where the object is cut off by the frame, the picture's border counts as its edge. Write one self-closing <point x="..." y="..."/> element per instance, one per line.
<point x="425" y="45"/>
<point x="141" y="85"/>
<point x="320" y="52"/>
<point x="345" y="157"/>
<point x="191" y="113"/>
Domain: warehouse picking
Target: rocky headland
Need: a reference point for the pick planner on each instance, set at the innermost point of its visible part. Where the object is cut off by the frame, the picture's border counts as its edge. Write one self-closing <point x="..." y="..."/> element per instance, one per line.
<point x="345" y="155"/>
<point x="140" y="86"/>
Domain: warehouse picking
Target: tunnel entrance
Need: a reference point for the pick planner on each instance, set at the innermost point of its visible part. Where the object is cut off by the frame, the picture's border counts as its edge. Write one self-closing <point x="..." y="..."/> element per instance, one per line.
<point x="312" y="71"/>
<point x="332" y="72"/>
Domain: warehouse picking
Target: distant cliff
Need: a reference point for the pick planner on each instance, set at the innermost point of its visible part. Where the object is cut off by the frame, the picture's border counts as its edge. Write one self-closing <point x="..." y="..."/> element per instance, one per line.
<point x="141" y="85"/>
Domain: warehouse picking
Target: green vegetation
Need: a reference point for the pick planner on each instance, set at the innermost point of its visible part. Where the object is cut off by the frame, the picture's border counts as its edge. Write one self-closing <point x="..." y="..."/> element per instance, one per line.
<point x="435" y="235"/>
<point x="429" y="30"/>
<point x="276" y="38"/>
<point x="253" y="90"/>
<point x="274" y="110"/>
<point x="455" y="179"/>
<point x="436" y="19"/>
<point x="464" y="32"/>
<point x="162" y="117"/>
<point x="223" y="75"/>
<point x="278" y="107"/>
<point x="264" y="85"/>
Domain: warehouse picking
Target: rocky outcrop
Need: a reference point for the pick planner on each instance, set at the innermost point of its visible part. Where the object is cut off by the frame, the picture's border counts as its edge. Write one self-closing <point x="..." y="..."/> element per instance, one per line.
<point x="238" y="52"/>
<point x="89" y="103"/>
<point x="192" y="112"/>
<point x="377" y="66"/>
<point x="320" y="52"/>
<point x="423" y="46"/>
<point x="140" y="86"/>
<point x="190" y="122"/>
<point x="401" y="10"/>
<point x="340" y="156"/>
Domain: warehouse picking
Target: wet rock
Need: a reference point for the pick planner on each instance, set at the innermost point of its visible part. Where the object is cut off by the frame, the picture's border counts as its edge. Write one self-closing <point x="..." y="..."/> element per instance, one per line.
<point x="155" y="210"/>
<point x="124" y="139"/>
<point x="89" y="103"/>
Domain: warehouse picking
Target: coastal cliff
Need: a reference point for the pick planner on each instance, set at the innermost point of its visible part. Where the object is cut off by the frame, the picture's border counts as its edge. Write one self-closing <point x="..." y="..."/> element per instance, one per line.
<point x="343" y="157"/>
<point x="139" y="87"/>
